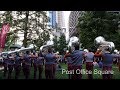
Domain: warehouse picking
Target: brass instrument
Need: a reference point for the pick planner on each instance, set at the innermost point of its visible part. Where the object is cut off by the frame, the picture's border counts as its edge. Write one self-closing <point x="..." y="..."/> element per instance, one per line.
<point x="73" y="40"/>
<point x="44" y="48"/>
<point x="4" y="54"/>
<point x="25" y="49"/>
<point x="102" y="44"/>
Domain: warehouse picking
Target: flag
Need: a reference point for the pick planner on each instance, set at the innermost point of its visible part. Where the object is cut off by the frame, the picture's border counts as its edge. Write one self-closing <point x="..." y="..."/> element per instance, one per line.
<point x="3" y="34"/>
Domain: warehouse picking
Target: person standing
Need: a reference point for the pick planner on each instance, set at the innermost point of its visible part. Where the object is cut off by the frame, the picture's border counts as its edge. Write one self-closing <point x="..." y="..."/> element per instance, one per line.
<point x="119" y="61"/>
<point x="89" y="57"/>
<point x="27" y="62"/>
<point x="85" y="51"/>
<point x="55" y="64"/>
<point x="115" y="60"/>
<point x="77" y="57"/>
<point x="11" y="60"/>
<point x="69" y="63"/>
<point x="5" y="64"/>
<point x="18" y="61"/>
<point x="34" y="59"/>
<point x="50" y="58"/>
<point x="1" y="60"/>
<point x="40" y="61"/>
<point x="97" y="57"/>
<point x="23" y="62"/>
<point x="107" y="63"/>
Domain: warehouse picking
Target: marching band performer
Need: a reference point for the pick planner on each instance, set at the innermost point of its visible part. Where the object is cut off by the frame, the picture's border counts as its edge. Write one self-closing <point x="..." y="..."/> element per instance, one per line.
<point x="55" y="63"/>
<point x="40" y="61"/>
<point x="85" y="51"/>
<point x="11" y="60"/>
<point x="69" y="62"/>
<point x="34" y="59"/>
<point x="116" y="52"/>
<point x="18" y="62"/>
<point x="119" y="61"/>
<point x="89" y="57"/>
<point x="23" y="63"/>
<point x="1" y="60"/>
<point x="77" y="56"/>
<point x="115" y="60"/>
<point x="107" y="63"/>
<point x="97" y="57"/>
<point x="5" y="64"/>
<point x="50" y="59"/>
<point x="27" y="62"/>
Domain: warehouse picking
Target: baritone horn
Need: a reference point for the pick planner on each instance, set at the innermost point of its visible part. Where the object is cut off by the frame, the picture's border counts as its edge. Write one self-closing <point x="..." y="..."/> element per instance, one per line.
<point x="72" y="41"/>
<point x="102" y="44"/>
<point x="44" y="48"/>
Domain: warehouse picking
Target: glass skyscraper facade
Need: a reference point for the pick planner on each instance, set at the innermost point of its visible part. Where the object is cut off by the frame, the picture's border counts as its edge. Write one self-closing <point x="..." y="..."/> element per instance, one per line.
<point x="52" y="16"/>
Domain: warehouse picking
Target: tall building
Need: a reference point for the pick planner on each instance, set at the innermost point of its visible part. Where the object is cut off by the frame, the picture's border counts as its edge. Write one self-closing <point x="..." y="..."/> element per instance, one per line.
<point x="52" y="19"/>
<point x="56" y="19"/>
<point x="60" y="19"/>
<point x="73" y="21"/>
<point x="56" y="23"/>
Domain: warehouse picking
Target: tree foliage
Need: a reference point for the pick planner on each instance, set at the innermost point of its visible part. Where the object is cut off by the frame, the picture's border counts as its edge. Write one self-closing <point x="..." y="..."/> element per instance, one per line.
<point x="60" y="44"/>
<point x="32" y="24"/>
<point x="7" y="17"/>
<point x="98" y="23"/>
<point x="56" y="43"/>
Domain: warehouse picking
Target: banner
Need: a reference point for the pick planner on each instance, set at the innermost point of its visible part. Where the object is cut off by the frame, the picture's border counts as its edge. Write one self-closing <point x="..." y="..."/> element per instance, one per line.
<point x="3" y="34"/>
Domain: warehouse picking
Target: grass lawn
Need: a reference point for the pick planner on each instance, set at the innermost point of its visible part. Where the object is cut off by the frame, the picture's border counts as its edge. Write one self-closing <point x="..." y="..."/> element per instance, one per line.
<point x="59" y="74"/>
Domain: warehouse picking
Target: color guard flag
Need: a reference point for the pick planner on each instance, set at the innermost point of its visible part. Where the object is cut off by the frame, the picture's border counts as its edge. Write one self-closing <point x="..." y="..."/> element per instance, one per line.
<point x="3" y="34"/>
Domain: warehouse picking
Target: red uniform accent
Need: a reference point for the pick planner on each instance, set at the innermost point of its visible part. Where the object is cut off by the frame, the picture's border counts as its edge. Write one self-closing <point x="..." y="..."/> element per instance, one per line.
<point x="107" y="76"/>
<point x="98" y="54"/>
<point x="69" y="64"/>
<point x="76" y="75"/>
<point x="89" y="67"/>
<point x="49" y="71"/>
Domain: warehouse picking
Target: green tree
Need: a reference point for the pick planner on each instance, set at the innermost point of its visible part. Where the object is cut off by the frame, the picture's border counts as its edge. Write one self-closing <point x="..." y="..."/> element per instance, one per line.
<point x="56" y="43"/>
<point x="42" y="39"/>
<point x="7" y="17"/>
<point x="33" y="25"/>
<point x="62" y="43"/>
<point x="11" y="39"/>
<point x="98" y="23"/>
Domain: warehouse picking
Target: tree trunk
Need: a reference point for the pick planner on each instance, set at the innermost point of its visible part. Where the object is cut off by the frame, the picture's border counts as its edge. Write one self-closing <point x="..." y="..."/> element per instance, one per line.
<point x="26" y="29"/>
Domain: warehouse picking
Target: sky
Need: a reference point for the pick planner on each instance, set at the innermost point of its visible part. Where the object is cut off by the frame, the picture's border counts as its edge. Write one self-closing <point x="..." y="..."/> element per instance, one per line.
<point x="66" y="17"/>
